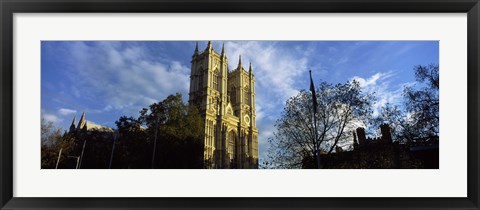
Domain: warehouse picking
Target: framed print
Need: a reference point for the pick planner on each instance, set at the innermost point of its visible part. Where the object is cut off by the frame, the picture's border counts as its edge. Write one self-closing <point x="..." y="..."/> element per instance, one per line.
<point x="239" y="105"/>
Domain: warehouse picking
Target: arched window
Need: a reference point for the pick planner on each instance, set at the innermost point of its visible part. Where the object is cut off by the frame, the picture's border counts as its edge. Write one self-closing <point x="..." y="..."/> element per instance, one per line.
<point x="246" y="94"/>
<point x="219" y="82"/>
<point x="215" y="79"/>
<point x="231" y="144"/>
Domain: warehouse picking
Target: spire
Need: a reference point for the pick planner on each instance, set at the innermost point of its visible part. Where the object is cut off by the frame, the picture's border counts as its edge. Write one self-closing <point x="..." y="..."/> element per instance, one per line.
<point x="74" y="123"/>
<point x="250" y="68"/>
<point x="196" y="49"/>
<point x="209" y="46"/>
<point x="239" y="62"/>
<point x="81" y="123"/>
<point x="223" y="48"/>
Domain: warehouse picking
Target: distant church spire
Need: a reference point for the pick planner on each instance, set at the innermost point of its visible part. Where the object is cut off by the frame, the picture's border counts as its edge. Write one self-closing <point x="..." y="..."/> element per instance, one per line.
<point x="250" y="68"/>
<point x="81" y="123"/>
<point x="196" y="49"/>
<point x="74" y="123"/>
<point x="240" y="62"/>
<point x="223" y="48"/>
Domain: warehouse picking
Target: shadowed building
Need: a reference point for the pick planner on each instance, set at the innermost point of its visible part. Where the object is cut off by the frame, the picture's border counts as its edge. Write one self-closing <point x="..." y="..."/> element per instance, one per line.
<point x="90" y="141"/>
<point x="226" y="101"/>
<point x="381" y="153"/>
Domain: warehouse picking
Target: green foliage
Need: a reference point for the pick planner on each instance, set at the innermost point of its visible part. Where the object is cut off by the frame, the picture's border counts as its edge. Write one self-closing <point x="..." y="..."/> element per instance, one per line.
<point x="132" y="144"/>
<point x="52" y="143"/>
<point x="178" y="129"/>
<point x="172" y="118"/>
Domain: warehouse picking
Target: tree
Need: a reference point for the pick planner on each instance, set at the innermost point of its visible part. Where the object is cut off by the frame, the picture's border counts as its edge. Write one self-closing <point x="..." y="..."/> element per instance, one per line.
<point x="341" y="109"/>
<point x="52" y="141"/>
<point x="422" y="104"/>
<point x="131" y="144"/>
<point x="178" y="129"/>
<point x="418" y="119"/>
<point x="49" y="133"/>
<point x="395" y="118"/>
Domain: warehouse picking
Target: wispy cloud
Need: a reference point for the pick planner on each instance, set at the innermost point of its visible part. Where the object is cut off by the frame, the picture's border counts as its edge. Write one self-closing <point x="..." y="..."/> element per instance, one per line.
<point x="51" y="118"/>
<point x="275" y="69"/>
<point x="64" y="111"/>
<point x="379" y="84"/>
<point x="122" y="76"/>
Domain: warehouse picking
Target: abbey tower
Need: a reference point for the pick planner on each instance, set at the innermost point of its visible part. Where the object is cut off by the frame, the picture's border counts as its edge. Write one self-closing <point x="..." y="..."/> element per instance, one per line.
<point x="226" y="101"/>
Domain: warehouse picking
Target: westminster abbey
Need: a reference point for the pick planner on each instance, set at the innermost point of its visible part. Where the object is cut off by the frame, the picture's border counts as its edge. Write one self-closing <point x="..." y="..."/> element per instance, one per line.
<point x="226" y="101"/>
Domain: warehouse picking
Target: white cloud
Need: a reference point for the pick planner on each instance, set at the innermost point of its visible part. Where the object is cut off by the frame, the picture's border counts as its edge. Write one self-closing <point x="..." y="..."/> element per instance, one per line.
<point x="372" y="81"/>
<point x="64" y="111"/>
<point x="51" y="118"/>
<point x="379" y="85"/>
<point x="124" y="77"/>
<point x="275" y="69"/>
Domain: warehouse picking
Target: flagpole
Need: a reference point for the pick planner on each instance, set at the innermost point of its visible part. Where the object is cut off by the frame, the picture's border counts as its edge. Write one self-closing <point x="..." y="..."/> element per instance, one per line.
<point x="314" y="107"/>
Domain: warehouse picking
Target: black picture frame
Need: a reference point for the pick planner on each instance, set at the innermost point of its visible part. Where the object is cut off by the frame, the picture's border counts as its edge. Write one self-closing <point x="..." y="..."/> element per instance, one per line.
<point x="10" y="7"/>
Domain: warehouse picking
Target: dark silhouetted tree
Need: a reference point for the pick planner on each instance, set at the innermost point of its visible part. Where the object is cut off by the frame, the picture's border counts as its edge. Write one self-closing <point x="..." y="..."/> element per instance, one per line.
<point x="422" y="104"/>
<point x="132" y="144"/>
<point x="396" y="119"/>
<point x="52" y="141"/>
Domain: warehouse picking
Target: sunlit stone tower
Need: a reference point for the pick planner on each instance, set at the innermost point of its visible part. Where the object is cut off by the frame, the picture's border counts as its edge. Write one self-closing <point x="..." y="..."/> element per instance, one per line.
<point x="226" y="101"/>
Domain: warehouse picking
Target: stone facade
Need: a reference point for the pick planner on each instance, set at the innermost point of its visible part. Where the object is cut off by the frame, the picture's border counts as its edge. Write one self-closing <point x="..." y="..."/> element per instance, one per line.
<point x="226" y="101"/>
<point x="84" y="125"/>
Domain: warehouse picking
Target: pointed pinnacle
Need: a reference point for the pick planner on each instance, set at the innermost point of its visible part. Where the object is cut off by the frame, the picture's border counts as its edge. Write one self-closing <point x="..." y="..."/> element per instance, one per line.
<point x="239" y="61"/>
<point x="209" y="45"/>
<point x="74" y="122"/>
<point x="82" y="122"/>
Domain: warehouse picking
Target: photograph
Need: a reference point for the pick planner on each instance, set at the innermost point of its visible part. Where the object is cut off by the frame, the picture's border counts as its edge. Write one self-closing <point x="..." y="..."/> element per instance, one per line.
<point x="240" y="104"/>
<point x="250" y="105"/>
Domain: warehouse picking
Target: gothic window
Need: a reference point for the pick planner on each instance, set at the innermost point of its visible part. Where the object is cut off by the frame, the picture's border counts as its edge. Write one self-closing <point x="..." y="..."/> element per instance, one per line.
<point x="231" y="144"/>
<point x="214" y="79"/>
<point x="246" y="94"/>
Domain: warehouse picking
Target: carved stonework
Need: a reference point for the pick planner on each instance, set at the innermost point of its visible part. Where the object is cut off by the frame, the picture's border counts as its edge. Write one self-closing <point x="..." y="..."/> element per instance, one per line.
<point x="231" y="137"/>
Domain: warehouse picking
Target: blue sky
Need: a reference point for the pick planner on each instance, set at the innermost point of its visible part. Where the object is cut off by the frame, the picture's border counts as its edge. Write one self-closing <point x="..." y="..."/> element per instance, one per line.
<point x="110" y="79"/>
